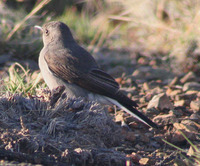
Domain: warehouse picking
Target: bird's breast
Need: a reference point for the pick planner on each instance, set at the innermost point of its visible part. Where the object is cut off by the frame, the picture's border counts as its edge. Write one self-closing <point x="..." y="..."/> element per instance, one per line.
<point x="51" y="80"/>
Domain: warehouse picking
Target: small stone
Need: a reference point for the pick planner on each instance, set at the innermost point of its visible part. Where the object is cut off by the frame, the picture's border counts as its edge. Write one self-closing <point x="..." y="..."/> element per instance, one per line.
<point x="151" y="111"/>
<point x="195" y="117"/>
<point x="179" y="103"/>
<point x="144" y="161"/>
<point x="195" y="105"/>
<point x="134" y="157"/>
<point x="168" y="91"/>
<point x="143" y="61"/>
<point x="190" y="126"/>
<point x="191" y="151"/>
<point x="165" y="119"/>
<point x="119" y="80"/>
<point x="119" y="117"/>
<point x="174" y="92"/>
<point x="191" y="86"/>
<point x="145" y="86"/>
<point x="188" y="77"/>
<point x="179" y="126"/>
<point x="160" y="101"/>
<point x="186" y="96"/>
<point x="177" y="136"/>
<point x="192" y="92"/>
<point x="178" y="111"/>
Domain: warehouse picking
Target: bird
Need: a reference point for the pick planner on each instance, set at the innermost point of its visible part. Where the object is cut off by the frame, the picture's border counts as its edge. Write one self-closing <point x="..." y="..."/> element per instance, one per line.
<point x="63" y="62"/>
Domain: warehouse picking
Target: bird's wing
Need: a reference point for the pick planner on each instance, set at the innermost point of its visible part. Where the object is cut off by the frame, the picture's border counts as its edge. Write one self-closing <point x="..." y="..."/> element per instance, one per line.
<point x="91" y="77"/>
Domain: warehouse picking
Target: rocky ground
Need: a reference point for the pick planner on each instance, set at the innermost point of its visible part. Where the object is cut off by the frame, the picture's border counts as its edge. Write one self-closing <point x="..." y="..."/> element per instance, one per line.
<point x="72" y="131"/>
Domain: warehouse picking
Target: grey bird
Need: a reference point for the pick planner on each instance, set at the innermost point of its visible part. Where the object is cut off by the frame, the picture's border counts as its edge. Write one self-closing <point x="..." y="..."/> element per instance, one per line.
<point x="65" y="63"/>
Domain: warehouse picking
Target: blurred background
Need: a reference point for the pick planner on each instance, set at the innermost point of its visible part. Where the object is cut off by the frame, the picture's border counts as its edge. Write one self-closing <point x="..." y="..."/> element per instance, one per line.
<point x="170" y="27"/>
<point x="161" y="29"/>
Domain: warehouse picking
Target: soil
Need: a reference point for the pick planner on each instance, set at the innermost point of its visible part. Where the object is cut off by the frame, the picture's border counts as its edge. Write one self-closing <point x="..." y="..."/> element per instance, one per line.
<point x="54" y="130"/>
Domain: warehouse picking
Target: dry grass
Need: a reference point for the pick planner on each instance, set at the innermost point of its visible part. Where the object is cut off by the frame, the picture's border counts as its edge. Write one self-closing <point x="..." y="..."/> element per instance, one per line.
<point x="74" y="131"/>
<point x="31" y="14"/>
<point x="171" y="27"/>
<point x="21" y="80"/>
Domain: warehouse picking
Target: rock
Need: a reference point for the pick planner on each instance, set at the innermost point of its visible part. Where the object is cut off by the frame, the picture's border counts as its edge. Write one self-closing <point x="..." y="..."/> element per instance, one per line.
<point x="134" y="157"/>
<point x="191" y="86"/>
<point x="188" y="77"/>
<point x="144" y="161"/>
<point x="146" y="86"/>
<point x="195" y="105"/>
<point x="187" y="127"/>
<point x="191" y="151"/>
<point x="195" y="117"/>
<point x="160" y="101"/>
<point x="173" y="92"/>
<point x="119" y="80"/>
<point x="151" y="111"/>
<point x="192" y="92"/>
<point x="143" y="61"/>
<point x="186" y="96"/>
<point x="179" y="103"/>
<point x="165" y="119"/>
<point x="119" y="117"/>
<point x="190" y="125"/>
<point x="177" y="137"/>
<point x="178" y="112"/>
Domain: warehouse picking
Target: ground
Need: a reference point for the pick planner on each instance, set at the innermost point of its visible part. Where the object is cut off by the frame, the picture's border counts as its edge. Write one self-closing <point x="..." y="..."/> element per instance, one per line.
<point x="41" y="129"/>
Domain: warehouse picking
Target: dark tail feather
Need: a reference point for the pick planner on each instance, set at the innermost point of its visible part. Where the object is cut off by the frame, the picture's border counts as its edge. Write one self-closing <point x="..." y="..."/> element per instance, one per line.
<point x="134" y="112"/>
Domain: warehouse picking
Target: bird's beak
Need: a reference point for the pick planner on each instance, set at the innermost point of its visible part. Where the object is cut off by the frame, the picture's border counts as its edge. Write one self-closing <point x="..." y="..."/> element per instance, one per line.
<point x="38" y="27"/>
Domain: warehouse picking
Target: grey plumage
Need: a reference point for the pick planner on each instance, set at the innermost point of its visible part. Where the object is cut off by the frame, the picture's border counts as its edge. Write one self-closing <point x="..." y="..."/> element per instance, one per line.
<point x="63" y="62"/>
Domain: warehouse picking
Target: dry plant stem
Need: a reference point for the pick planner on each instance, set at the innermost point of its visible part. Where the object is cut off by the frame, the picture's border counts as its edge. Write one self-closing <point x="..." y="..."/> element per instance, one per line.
<point x="127" y="19"/>
<point x="34" y="11"/>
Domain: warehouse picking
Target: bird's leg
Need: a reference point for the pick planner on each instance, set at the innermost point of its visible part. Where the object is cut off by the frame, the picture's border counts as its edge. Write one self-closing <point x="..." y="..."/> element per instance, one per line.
<point x="56" y="94"/>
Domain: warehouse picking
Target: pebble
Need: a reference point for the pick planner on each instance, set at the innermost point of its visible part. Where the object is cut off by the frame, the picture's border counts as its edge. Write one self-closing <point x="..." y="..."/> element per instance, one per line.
<point x="195" y="106"/>
<point x="160" y="101"/>
<point x="191" y="86"/>
<point x="165" y="119"/>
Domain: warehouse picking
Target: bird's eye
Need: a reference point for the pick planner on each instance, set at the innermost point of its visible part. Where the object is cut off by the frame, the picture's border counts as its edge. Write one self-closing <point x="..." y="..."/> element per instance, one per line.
<point x="46" y="32"/>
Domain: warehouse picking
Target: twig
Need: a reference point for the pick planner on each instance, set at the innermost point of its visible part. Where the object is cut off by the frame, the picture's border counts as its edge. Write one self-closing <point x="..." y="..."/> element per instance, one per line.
<point x="34" y="11"/>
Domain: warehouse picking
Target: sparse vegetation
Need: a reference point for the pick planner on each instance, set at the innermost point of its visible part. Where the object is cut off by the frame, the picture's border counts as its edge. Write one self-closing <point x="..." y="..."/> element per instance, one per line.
<point x="21" y="80"/>
<point x="190" y="156"/>
<point x="150" y="45"/>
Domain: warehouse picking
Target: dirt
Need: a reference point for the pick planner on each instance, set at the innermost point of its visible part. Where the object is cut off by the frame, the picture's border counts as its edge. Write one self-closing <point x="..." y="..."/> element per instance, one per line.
<point x="41" y="130"/>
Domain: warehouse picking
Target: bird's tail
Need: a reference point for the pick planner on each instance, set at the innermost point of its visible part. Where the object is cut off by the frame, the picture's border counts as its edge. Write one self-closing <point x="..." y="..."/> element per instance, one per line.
<point x="134" y="112"/>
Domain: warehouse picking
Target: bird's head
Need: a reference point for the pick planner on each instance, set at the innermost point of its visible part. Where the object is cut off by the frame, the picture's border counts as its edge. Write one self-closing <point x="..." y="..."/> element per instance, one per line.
<point x="56" y="31"/>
